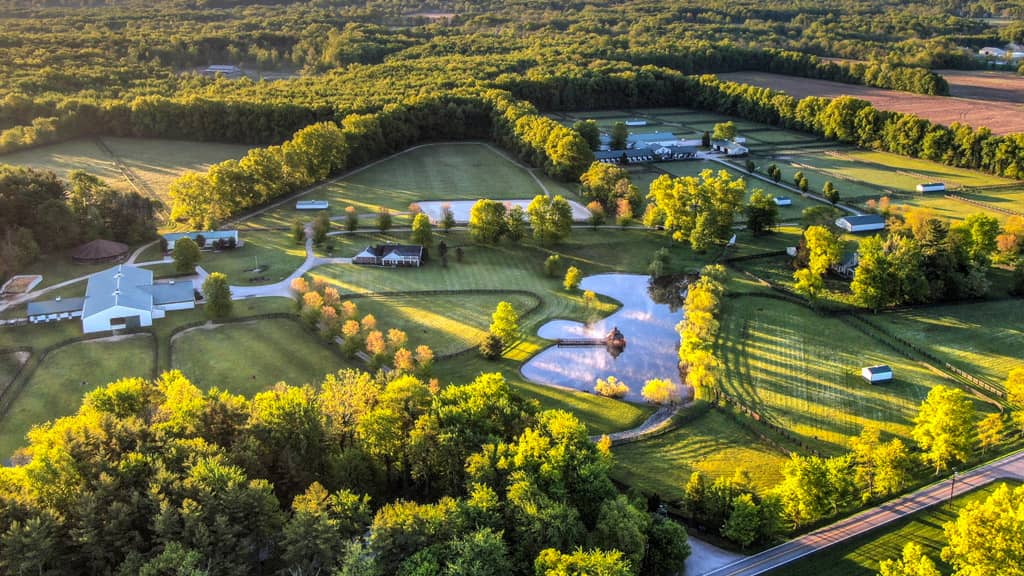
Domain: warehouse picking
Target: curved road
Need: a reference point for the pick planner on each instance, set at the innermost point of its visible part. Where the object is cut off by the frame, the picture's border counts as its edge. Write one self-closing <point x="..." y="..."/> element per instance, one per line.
<point x="1011" y="466"/>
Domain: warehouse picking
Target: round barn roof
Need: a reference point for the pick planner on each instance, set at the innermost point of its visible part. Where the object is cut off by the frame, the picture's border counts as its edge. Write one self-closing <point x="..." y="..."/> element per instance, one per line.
<point x="100" y="251"/>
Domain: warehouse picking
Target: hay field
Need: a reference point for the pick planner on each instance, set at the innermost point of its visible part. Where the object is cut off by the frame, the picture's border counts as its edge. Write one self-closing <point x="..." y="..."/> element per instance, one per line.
<point x="999" y="116"/>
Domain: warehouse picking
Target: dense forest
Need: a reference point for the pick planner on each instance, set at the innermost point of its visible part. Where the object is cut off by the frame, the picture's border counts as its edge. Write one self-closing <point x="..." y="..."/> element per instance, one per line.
<point x="162" y="478"/>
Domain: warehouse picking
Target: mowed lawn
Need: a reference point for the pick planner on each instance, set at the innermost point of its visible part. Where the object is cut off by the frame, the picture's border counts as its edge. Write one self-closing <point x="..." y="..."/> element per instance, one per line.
<point x="801" y="371"/>
<point x="984" y="338"/>
<point x="446" y="323"/>
<point x="249" y="357"/>
<point x="712" y="444"/>
<point x="56" y="387"/>
<point x="861" y="556"/>
<point x="276" y="250"/>
<point x="462" y="171"/>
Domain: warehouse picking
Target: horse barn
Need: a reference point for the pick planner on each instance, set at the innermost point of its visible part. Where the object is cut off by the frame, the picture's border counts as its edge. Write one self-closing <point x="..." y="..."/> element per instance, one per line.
<point x="392" y="255"/>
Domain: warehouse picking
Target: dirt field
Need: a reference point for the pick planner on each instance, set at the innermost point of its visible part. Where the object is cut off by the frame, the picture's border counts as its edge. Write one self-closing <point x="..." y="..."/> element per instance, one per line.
<point x="1000" y="117"/>
<point x="985" y="85"/>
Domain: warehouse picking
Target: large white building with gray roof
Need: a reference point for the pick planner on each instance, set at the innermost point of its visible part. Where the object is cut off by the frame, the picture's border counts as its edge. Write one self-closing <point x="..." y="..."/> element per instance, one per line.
<point x="119" y="298"/>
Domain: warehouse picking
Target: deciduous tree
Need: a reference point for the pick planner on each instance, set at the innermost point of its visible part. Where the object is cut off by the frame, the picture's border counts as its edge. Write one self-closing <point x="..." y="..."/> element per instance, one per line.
<point x="186" y="255"/>
<point x="422" y="231"/>
<point x="217" y="294"/>
<point x="572" y="280"/>
<point x="986" y="536"/>
<point x="505" y="322"/>
<point x="944" y="427"/>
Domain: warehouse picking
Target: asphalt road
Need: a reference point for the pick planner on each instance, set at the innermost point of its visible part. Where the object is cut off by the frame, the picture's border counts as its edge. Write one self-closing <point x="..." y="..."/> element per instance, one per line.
<point x="1011" y="466"/>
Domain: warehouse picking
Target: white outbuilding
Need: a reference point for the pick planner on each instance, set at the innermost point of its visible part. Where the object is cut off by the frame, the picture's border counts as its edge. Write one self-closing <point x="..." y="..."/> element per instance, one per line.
<point x="861" y="223"/>
<point x="311" y="205"/>
<point x="783" y="201"/>
<point x="877" y="374"/>
<point x="931" y="187"/>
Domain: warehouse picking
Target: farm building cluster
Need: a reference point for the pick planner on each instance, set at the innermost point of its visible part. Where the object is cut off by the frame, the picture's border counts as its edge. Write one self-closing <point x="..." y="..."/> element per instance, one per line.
<point x="206" y="239"/>
<point x="661" y="147"/>
<point x="122" y="297"/>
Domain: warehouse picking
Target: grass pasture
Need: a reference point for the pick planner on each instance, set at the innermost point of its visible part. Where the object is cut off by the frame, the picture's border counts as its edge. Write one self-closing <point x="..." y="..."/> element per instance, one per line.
<point x="56" y="387"/>
<point x="984" y="338"/>
<point x="247" y="358"/>
<point x="712" y="444"/>
<point x="446" y="323"/>
<point x="158" y="162"/>
<point x="9" y="365"/>
<point x="463" y="171"/>
<point x="66" y="157"/>
<point x="861" y="555"/>
<point x="155" y="162"/>
<point x="802" y="372"/>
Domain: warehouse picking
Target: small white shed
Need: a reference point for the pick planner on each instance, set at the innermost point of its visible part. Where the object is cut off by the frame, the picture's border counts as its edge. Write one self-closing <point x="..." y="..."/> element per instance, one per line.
<point x="311" y="205"/>
<point x="783" y="201"/>
<point x="877" y="374"/>
<point x="931" y="187"/>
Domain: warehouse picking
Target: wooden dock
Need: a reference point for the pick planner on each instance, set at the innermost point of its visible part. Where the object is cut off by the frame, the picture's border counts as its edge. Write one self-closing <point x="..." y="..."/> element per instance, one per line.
<point x="581" y="342"/>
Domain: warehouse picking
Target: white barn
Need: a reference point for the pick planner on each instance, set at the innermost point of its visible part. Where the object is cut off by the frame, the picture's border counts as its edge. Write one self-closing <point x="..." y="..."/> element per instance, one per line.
<point x="124" y="297"/>
<point x="877" y="374"/>
<point x="862" y="223"/>
<point x="783" y="201"/>
<point x="311" y="205"/>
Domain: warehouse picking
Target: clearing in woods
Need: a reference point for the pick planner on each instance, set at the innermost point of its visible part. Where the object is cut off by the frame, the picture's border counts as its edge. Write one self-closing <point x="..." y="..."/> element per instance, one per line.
<point x="155" y="163"/>
<point x="463" y="171"/>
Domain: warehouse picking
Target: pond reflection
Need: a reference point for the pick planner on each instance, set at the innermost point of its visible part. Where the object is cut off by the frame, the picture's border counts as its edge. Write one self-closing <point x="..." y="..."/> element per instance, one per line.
<point x="649" y="328"/>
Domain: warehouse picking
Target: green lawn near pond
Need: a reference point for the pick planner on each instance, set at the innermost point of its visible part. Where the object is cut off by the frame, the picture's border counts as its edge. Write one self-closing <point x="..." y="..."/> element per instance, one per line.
<point x="458" y="171"/>
<point x="861" y="555"/>
<point x="601" y="415"/>
<point x="445" y="323"/>
<point x="249" y="357"/>
<point x="713" y="444"/>
<point x="801" y="371"/>
<point x="56" y="386"/>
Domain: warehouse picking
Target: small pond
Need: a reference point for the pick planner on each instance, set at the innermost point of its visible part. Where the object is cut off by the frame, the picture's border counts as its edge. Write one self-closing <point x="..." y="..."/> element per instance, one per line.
<point x="652" y="343"/>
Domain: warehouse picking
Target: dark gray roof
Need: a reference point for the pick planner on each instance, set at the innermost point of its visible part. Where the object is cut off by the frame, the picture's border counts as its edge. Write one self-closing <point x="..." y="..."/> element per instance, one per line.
<point x="172" y="293"/>
<point x="382" y="250"/>
<point x="880" y="369"/>
<point x="864" y="219"/>
<point x="617" y="154"/>
<point x="55" y="306"/>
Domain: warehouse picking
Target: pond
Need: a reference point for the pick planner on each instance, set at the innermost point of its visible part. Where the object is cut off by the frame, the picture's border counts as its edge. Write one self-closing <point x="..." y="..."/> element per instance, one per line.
<point x="652" y="343"/>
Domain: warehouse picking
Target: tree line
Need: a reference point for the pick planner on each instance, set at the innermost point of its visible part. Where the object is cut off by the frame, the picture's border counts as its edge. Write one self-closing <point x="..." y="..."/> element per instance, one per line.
<point x="204" y="200"/>
<point x="42" y="214"/>
<point x="844" y="119"/>
<point x="358" y="475"/>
